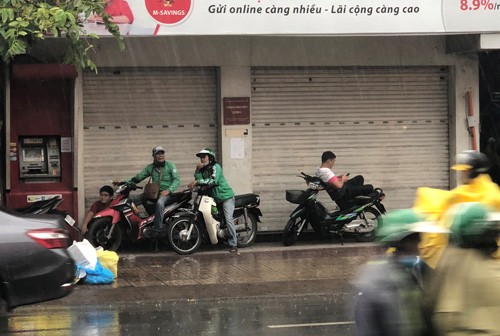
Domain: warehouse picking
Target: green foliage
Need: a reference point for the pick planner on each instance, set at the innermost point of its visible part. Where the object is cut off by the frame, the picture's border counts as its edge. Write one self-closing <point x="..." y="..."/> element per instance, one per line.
<point x="24" y="22"/>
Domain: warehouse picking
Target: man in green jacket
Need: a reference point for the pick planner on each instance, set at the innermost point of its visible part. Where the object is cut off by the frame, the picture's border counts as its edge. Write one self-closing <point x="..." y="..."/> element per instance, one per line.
<point x="209" y="172"/>
<point x="165" y="174"/>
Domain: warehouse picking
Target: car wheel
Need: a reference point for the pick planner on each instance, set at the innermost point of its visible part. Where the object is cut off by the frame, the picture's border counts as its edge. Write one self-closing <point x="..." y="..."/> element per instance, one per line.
<point x="4" y="308"/>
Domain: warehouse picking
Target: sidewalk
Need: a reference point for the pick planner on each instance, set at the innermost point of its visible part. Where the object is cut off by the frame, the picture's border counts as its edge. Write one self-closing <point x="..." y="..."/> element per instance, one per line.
<point x="261" y="270"/>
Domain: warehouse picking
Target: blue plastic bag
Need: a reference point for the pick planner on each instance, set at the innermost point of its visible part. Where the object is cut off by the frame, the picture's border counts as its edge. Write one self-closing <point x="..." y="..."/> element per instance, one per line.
<point x="97" y="276"/>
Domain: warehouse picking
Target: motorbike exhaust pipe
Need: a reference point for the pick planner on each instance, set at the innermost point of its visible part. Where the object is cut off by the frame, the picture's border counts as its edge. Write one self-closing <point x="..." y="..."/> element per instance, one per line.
<point x="358" y="226"/>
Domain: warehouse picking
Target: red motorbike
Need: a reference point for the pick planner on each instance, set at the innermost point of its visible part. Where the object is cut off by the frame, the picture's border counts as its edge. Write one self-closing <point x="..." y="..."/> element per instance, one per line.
<point x="123" y="221"/>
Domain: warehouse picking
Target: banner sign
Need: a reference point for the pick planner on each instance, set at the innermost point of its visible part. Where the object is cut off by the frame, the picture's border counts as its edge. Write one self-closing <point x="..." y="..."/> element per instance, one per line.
<point x="301" y="17"/>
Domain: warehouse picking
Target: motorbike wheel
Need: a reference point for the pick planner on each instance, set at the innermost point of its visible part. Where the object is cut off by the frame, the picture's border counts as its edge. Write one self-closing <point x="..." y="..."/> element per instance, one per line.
<point x="247" y="237"/>
<point x="291" y="232"/>
<point x="98" y="234"/>
<point x="371" y="216"/>
<point x="176" y="233"/>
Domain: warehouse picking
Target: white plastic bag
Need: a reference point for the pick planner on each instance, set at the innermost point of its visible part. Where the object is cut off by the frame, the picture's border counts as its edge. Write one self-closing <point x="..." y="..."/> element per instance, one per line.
<point x="84" y="255"/>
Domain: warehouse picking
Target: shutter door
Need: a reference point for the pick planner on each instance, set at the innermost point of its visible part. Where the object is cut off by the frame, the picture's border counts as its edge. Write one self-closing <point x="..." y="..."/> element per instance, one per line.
<point x="127" y="112"/>
<point x="388" y="124"/>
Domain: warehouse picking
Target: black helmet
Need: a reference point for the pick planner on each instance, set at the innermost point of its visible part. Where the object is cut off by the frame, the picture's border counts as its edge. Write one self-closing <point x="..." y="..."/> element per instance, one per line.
<point x="473" y="161"/>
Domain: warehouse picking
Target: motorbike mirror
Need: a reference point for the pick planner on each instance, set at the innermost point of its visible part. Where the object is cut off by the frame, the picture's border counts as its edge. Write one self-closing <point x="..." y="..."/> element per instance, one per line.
<point x="120" y="188"/>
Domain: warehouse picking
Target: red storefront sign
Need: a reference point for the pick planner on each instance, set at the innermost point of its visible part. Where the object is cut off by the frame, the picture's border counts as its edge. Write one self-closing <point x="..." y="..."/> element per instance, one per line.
<point x="236" y="111"/>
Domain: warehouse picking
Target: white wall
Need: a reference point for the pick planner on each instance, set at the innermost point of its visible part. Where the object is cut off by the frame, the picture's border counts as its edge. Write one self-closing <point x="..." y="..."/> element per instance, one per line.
<point x="234" y="83"/>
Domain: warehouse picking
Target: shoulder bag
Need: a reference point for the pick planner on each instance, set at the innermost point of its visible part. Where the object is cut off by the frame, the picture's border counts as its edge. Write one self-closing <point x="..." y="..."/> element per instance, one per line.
<point x="152" y="189"/>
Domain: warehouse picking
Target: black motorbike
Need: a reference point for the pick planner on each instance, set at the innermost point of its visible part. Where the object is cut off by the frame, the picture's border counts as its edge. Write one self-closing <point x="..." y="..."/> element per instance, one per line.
<point x="357" y="217"/>
<point x="46" y="206"/>
<point x="206" y="222"/>
<point x="49" y="206"/>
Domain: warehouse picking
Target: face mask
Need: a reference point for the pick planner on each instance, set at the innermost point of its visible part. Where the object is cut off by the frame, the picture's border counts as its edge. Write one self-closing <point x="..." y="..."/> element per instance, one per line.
<point x="410" y="261"/>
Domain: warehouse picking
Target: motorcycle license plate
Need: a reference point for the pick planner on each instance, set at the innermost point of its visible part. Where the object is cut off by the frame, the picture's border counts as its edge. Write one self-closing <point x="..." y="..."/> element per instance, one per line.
<point x="69" y="220"/>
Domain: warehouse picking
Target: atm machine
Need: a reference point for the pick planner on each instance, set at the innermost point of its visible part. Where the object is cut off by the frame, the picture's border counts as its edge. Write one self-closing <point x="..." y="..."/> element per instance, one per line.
<point x="40" y="159"/>
<point x="40" y="136"/>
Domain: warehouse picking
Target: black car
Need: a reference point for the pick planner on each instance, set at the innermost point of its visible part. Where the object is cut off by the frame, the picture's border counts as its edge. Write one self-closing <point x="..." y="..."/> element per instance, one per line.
<point x="34" y="263"/>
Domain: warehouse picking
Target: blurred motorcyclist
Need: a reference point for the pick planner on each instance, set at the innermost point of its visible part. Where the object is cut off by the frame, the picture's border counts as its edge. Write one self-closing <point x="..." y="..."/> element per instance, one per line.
<point x="390" y="289"/>
<point x="463" y="294"/>
<point x="476" y="186"/>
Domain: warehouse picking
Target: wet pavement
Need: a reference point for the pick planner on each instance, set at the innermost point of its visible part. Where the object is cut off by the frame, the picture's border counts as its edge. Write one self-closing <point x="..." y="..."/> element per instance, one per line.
<point x="265" y="269"/>
<point x="267" y="289"/>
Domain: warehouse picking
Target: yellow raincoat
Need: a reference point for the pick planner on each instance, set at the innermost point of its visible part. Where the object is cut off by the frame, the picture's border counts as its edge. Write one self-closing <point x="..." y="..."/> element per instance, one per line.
<point x="433" y="204"/>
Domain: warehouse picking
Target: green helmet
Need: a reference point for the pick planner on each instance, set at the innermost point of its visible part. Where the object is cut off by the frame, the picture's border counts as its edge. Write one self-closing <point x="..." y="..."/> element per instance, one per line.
<point x="472" y="225"/>
<point x="206" y="151"/>
<point x="398" y="224"/>
<point x="394" y="225"/>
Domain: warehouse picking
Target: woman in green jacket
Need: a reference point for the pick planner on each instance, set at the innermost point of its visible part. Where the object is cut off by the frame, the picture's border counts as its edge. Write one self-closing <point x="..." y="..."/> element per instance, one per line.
<point x="209" y="172"/>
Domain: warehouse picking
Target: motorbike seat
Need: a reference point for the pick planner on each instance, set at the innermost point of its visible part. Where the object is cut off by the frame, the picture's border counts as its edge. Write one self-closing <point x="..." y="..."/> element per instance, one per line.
<point x="245" y="199"/>
<point x="38" y="205"/>
<point x="177" y="196"/>
<point x="376" y="193"/>
<point x="361" y="200"/>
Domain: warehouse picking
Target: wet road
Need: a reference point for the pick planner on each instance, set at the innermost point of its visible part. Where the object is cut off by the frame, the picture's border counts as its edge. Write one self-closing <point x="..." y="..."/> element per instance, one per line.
<point x="266" y="290"/>
<point x="298" y="315"/>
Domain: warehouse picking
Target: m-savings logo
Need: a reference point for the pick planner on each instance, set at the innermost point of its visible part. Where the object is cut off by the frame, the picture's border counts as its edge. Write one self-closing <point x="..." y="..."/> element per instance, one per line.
<point x="168" y="11"/>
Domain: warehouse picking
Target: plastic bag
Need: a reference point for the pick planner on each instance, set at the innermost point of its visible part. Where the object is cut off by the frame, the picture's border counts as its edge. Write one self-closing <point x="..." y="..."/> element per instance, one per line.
<point x="98" y="276"/>
<point x="109" y="260"/>
<point x="84" y="255"/>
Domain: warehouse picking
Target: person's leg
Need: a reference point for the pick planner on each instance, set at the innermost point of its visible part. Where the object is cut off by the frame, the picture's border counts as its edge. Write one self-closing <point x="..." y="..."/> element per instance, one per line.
<point x="363" y="190"/>
<point x="356" y="187"/>
<point x="160" y="207"/>
<point x="228" y="208"/>
<point x="336" y="194"/>
<point x="357" y="180"/>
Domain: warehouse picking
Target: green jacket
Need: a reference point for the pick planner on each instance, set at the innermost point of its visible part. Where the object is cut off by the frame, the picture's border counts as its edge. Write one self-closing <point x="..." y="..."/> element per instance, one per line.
<point x="212" y="174"/>
<point x="170" y="179"/>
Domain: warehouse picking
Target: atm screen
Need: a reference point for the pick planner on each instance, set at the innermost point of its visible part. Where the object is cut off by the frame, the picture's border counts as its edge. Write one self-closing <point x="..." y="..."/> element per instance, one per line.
<point x="33" y="155"/>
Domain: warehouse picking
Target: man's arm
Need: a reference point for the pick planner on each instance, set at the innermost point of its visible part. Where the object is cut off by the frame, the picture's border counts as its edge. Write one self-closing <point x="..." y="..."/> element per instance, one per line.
<point x="176" y="180"/>
<point x="141" y="176"/>
<point x="337" y="181"/>
<point x="212" y="179"/>
<point x="86" y="221"/>
<point x="126" y="15"/>
<point x="330" y="179"/>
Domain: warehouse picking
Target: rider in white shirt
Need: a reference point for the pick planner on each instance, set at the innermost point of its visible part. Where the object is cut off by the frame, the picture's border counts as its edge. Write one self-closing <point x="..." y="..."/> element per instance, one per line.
<point x="340" y="187"/>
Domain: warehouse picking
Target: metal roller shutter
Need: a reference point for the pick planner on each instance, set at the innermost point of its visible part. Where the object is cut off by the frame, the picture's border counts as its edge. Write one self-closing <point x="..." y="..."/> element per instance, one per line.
<point x="388" y="124"/>
<point x="127" y="112"/>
